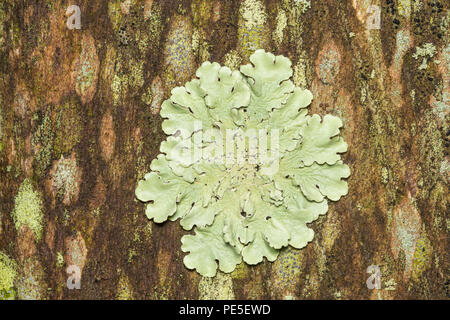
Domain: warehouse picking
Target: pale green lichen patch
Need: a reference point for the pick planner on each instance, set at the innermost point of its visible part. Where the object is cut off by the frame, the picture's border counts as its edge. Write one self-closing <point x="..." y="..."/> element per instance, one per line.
<point x="426" y="52"/>
<point x="417" y="5"/>
<point x="28" y="209"/>
<point x="304" y="5"/>
<point x="232" y="60"/>
<point x="404" y="8"/>
<point x="253" y="12"/>
<point x="59" y="260"/>
<point x="218" y="288"/>
<point x="300" y="70"/>
<point x="403" y="43"/>
<point x="8" y="275"/>
<point x="252" y="27"/>
<point x="244" y="208"/>
<point x="157" y="89"/>
<point x="281" y="24"/>
<point x="66" y="178"/>
<point x="384" y="175"/>
<point x="445" y="170"/>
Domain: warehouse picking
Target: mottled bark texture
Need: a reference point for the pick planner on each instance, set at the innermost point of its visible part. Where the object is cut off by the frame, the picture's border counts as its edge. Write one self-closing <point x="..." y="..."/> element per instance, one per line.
<point x="79" y="125"/>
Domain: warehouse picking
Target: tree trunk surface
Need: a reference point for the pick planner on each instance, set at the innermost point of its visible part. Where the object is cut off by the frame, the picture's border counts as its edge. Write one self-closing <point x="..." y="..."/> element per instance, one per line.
<point x="80" y="124"/>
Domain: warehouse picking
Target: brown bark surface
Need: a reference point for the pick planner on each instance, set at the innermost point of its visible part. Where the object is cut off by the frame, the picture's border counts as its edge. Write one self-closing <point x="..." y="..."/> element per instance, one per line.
<point x="79" y="122"/>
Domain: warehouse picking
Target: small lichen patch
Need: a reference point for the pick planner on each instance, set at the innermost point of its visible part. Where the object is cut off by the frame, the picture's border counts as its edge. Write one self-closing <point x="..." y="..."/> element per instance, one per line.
<point x="384" y="175"/>
<point x="281" y="21"/>
<point x="86" y="69"/>
<point x="28" y="209"/>
<point x="124" y="290"/>
<point x="426" y="52"/>
<point x="253" y="12"/>
<point x="59" y="260"/>
<point x="417" y="5"/>
<point x="66" y="178"/>
<point x="232" y="60"/>
<point x="252" y="27"/>
<point x="8" y="275"/>
<point x="300" y="70"/>
<point x="390" y="285"/>
<point x="422" y="256"/>
<point x="287" y="267"/>
<point x="403" y="43"/>
<point x="331" y="230"/>
<point x="328" y="65"/>
<point x="405" y="232"/>
<point x="179" y="59"/>
<point x="445" y="170"/>
<point x="147" y="96"/>
<point x="404" y="8"/>
<point x="218" y="288"/>
<point x="157" y="89"/>
<point x="75" y="251"/>
<point x="304" y="5"/>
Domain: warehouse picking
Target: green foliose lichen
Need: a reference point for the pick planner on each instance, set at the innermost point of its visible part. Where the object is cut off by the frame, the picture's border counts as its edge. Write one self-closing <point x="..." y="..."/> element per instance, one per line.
<point x="243" y="203"/>
<point x="28" y="209"/>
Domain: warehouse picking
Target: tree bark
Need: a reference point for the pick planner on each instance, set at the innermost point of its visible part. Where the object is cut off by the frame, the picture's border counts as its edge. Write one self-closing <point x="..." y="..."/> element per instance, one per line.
<point x="79" y="123"/>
